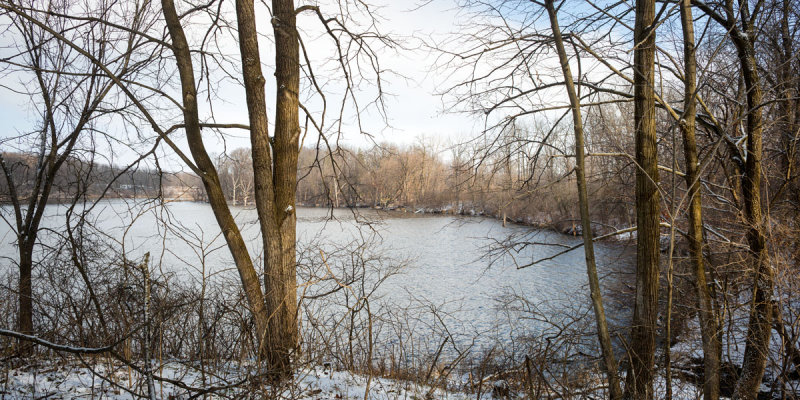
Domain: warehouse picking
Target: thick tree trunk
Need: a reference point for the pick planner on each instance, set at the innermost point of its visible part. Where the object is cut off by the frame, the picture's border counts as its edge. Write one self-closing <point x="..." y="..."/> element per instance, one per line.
<point x="639" y="381"/>
<point x="280" y="280"/>
<point x="609" y="361"/>
<point x="709" y="323"/>
<point x="275" y="174"/>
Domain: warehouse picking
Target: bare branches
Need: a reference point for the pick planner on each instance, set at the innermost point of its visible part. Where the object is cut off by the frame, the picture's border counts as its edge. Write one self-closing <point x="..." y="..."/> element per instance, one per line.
<point x="60" y="347"/>
<point x="114" y="78"/>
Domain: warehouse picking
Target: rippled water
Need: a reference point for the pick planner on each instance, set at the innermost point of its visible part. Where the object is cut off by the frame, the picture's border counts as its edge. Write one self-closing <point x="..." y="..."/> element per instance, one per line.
<point x="444" y="258"/>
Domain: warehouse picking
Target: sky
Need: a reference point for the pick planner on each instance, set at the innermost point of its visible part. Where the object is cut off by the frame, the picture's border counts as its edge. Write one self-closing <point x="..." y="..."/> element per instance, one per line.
<point x="414" y="79"/>
<point x="413" y="107"/>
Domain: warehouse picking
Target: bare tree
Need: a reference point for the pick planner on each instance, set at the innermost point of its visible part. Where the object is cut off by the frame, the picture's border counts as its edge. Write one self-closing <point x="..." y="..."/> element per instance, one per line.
<point x="70" y="96"/>
<point x="740" y="24"/>
<point x="236" y="175"/>
<point x="709" y="323"/>
<point x="609" y="360"/>
<point x="275" y="161"/>
<point x="639" y="381"/>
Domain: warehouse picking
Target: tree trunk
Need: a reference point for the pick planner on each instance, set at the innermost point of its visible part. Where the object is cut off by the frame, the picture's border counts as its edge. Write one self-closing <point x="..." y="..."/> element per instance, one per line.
<point x="760" y="324"/>
<point x="25" y="321"/>
<point x="275" y="182"/>
<point x="211" y="182"/>
<point x="639" y="381"/>
<point x="789" y="90"/>
<point x="609" y="361"/>
<point x="280" y="241"/>
<point x="709" y="324"/>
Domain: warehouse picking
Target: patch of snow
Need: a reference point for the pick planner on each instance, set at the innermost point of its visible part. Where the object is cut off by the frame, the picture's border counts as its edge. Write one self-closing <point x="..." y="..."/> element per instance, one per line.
<point x="118" y="383"/>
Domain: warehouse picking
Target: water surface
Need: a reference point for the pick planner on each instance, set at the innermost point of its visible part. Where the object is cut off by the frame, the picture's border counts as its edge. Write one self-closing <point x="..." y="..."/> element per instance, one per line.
<point x="441" y="262"/>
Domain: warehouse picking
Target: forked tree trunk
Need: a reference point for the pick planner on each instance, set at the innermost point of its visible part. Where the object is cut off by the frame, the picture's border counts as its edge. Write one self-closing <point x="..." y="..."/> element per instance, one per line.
<point x="709" y="323"/>
<point x="275" y="174"/>
<point x="609" y="361"/>
<point x="639" y="381"/>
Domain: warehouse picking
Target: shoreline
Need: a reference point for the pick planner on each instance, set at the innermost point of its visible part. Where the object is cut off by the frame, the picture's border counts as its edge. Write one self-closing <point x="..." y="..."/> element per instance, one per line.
<point x="569" y="226"/>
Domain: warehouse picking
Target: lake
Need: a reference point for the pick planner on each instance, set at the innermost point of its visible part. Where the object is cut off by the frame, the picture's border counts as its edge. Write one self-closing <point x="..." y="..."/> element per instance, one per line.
<point x="450" y="268"/>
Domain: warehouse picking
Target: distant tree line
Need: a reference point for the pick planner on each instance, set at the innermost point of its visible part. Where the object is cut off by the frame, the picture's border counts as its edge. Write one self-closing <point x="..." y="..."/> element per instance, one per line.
<point x="688" y="140"/>
<point x="700" y="131"/>
<point x="457" y="179"/>
<point x="94" y="180"/>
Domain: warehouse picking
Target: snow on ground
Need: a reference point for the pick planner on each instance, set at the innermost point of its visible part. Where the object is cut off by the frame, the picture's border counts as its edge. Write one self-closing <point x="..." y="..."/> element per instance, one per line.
<point x="78" y="381"/>
<point x="680" y="390"/>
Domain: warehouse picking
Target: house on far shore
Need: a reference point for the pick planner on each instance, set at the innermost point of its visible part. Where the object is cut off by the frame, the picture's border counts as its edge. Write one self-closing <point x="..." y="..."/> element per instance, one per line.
<point x="184" y="193"/>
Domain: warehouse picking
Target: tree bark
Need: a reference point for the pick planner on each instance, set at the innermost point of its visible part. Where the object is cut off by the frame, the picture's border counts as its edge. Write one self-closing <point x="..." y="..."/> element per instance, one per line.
<point x="639" y="381"/>
<point x="760" y="324"/>
<point x="275" y="173"/>
<point x="281" y="281"/>
<point x="789" y="88"/>
<point x="25" y="317"/>
<point x="759" y="327"/>
<point x="211" y="182"/>
<point x="709" y="323"/>
<point x="609" y="361"/>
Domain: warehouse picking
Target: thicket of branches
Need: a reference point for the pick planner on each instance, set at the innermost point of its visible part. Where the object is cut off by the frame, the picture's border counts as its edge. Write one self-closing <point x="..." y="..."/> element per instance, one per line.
<point x="676" y="120"/>
<point x="451" y="179"/>
<point x="697" y="101"/>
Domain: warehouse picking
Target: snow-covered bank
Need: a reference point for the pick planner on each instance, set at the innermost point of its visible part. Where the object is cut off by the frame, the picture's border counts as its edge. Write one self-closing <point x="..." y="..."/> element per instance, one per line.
<point x="74" y="380"/>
